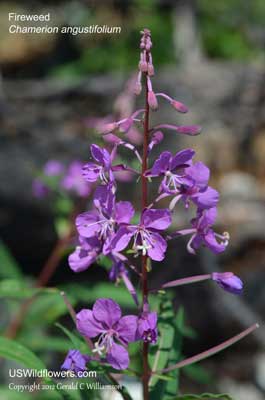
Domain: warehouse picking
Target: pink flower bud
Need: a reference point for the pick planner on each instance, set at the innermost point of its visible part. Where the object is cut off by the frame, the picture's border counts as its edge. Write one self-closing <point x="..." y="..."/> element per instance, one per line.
<point x="109" y="128"/>
<point x="150" y="69"/>
<point x="152" y="101"/>
<point x="180" y="107"/>
<point x="126" y="125"/>
<point x="143" y="67"/>
<point x="112" y="139"/>
<point x="138" y="85"/>
<point x="189" y="130"/>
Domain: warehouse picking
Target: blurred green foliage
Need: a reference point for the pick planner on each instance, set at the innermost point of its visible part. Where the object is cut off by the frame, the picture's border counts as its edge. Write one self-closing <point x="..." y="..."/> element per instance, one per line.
<point x="229" y="29"/>
<point x="119" y="52"/>
<point x="232" y="29"/>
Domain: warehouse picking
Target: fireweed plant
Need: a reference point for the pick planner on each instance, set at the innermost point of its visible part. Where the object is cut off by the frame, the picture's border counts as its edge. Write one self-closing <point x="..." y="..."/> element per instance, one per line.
<point x="107" y="229"/>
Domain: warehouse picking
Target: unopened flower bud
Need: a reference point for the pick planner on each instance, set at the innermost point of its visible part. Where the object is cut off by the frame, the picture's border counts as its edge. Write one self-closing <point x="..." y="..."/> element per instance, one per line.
<point x="109" y="128"/>
<point x="228" y="281"/>
<point x="179" y="106"/>
<point x="152" y="100"/>
<point x="138" y="85"/>
<point x="143" y="67"/>
<point x="150" y="69"/>
<point x="126" y="125"/>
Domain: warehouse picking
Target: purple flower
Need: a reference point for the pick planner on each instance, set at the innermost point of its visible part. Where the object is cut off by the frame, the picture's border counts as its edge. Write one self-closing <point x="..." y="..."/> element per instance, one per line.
<point x="53" y="168"/>
<point x="199" y="192"/>
<point x="203" y="234"/>
<point x="75" y="361"/>
<point x="85" y="254"/>
<point x="147" y="327"/>
<point x="146" y="237"/>
<point x="228" y="281"/>
<point x="39" y="189"/>
<point x="191" y="186"/>
<point x="167" y="165"/>
<point x="102" y="221"/>
<point x="102" y="168"/>
<point x="105" y="321"/>
<point x="74" y="181"/>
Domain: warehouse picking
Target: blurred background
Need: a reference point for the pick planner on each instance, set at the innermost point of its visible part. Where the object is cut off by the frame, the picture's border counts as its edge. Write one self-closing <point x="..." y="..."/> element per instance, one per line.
<point x="209" y="55"/>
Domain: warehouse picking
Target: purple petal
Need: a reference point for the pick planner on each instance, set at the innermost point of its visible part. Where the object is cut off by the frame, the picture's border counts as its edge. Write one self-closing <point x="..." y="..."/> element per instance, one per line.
<point x="158" y="249"/>
<point x="118" y="357"/>
<point x="81" y="259"/>
<point x="87" y="325"/>
<point x="124" y="212"/>
<point x="101" y="155"/>
<point x="194" y="243"/>
<point x="200" y="173"/>
<point x="159" y="219"/>
<point x="213" y="244"/>
<point x="107" y="311"/>
<point x="121" y="239"/>
<point x="91" y="172"/>
<point x="161" y="165"/>
<point x="86" y="224"/>
<point x="126" y="328"/>
<point x="104" y="198"/>
<point x="208" y="218"/>
<point x="75" y="361"/>
<point x="181" y="158"/>
<point x="206" y="199"/>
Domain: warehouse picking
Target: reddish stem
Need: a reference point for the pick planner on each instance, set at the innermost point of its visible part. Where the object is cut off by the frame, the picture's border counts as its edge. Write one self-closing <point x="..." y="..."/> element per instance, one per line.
<point x="146" y="370"/>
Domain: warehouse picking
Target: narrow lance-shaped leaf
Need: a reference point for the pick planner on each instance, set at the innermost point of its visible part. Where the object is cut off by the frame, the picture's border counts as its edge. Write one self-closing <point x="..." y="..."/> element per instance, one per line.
<point x="162" y="350"/>
<point x="8" y="266"/>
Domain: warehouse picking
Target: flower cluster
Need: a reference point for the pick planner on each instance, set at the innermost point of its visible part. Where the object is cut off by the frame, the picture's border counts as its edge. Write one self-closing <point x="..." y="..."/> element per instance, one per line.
<point x="56" y="177"/>
<point x="111" y="228"/>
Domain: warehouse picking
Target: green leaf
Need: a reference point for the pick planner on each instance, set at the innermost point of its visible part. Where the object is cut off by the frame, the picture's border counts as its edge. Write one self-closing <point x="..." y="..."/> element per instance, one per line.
<point x="62" y="226"/>
<point x="18" y="289"/>
<point x="197" y="373"/>
<point x="104" y="261"/>
<point x="42" y="342"/>
<point x="89" y="294"/>
<point x="9" y="268"/>
<point x="46" y="309"/>
<point x="63" y="205"/>
<point x="13" y="350"/>
<point x="76" y="341"/>
<point x="160" y="353"/>
<point x="203" y="396"/>
<point x="6" y="393"/>
<point x="171" y="387"/>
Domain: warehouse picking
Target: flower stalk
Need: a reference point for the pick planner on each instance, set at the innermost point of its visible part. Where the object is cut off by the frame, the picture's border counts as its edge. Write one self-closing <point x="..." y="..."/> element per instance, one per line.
<point x="146" y="371"/>
<point x="210" y="352"/>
